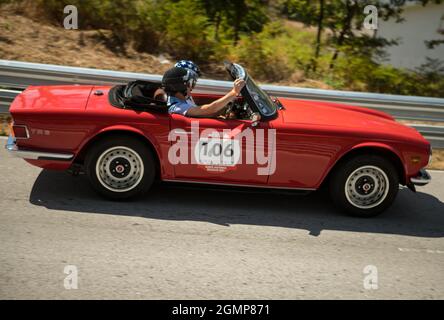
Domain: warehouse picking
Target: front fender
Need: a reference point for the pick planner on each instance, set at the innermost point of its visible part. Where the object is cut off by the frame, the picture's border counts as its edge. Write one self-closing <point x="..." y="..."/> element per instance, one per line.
<point x="369" y="145"/>
<point x="377" y="145"/>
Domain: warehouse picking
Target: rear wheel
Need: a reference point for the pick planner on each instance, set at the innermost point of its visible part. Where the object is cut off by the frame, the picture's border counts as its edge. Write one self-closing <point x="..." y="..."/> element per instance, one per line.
<point x="365" y="185"/>
<point x="120" y="168"/>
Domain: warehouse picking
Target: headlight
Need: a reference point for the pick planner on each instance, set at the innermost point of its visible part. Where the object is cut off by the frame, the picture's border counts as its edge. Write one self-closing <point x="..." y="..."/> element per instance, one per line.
<point x="430" y="156"/>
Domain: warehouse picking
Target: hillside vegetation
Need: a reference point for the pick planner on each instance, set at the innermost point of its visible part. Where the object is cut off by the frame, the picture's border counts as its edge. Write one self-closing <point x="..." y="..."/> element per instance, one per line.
<point x="150" y="38"/>
<point x="278" y="41"/>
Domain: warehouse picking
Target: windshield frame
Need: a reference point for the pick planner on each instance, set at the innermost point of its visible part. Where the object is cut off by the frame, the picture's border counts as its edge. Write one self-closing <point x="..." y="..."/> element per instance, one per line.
<point x="258" y="99"/>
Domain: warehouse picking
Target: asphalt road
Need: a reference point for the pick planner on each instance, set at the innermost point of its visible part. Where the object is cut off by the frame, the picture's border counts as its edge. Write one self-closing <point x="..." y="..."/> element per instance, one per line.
<point x="187" y="243"/>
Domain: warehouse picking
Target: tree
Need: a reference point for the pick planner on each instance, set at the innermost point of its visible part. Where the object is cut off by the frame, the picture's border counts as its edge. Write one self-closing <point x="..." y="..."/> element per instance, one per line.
<point x="236" y="16"/>
<point x="431" y="44"/>
<point x="344" y="21"/>
<point x="187" y="30"/>
<point x="319" y="32"/>
<point x="311" y="13"/>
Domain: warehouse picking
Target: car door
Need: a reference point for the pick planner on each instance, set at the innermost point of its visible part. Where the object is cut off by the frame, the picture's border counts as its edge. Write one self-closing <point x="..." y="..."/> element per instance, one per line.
<point x="220" y="151"/>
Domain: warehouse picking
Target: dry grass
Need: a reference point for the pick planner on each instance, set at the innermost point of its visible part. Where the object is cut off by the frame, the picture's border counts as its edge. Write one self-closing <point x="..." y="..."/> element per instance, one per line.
<point x="4" y="125"/>
<point x="24" y="39"/>
<point x="437" y="160"/>
<point x="31" y="40"/>
<point x="433" y="123"/>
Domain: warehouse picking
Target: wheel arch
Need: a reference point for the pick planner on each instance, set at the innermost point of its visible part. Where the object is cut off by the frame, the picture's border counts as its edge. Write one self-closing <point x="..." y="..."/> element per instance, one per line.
<point x="380" y="149"/>
<point x="118" y="131"/>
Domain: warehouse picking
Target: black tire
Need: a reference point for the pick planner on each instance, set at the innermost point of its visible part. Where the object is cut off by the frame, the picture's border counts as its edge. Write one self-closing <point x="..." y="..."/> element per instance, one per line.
<point x="123" y="153"/>
<point x="363" y="197"/>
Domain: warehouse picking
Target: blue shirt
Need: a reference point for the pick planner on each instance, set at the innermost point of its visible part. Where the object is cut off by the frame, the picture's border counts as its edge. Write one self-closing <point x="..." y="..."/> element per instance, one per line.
<point x="176" y="105"/>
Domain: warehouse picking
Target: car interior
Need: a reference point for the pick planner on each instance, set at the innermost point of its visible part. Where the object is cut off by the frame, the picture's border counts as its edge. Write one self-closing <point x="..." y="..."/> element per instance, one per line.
<point x="139" y="95"/>
<point x="149" y="96"/>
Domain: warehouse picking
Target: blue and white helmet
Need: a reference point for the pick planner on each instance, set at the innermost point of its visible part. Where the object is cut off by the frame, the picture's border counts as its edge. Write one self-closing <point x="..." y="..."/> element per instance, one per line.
<point x="188" y="64"/>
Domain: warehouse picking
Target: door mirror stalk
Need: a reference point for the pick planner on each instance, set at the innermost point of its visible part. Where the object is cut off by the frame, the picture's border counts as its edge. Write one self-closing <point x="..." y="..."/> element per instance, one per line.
<point x="255" y="119"/>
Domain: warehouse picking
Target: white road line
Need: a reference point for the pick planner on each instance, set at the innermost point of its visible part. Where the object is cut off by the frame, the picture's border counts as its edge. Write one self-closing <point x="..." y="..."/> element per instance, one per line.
<point x="420" y="250"/>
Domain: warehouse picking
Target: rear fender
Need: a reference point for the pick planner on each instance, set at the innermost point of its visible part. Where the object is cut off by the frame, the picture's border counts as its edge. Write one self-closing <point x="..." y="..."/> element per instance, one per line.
<point x="122" y="129"/>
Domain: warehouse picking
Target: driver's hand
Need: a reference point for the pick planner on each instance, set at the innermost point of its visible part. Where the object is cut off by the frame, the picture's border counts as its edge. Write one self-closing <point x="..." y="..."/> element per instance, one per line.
<point x="237" y="86"/>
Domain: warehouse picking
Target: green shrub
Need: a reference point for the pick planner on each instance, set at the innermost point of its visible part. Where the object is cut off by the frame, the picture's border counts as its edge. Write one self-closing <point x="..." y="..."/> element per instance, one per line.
<point x="187" y="31"/>
<point x="207" y="31"/>
<point x="267" y="54"/>
<point x="130" y="21"/>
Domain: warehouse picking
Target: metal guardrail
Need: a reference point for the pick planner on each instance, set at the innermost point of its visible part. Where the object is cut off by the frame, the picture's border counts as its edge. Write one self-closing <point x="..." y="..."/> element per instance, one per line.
<point x="6" y="98"/>
<point x="434" y="134"/>
<point x="16" y="76"/>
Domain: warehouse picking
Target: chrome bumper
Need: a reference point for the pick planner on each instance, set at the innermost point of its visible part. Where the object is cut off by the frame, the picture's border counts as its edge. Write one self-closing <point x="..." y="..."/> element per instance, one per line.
<point x="13" y="149"/>
<point x="421" y="179"/>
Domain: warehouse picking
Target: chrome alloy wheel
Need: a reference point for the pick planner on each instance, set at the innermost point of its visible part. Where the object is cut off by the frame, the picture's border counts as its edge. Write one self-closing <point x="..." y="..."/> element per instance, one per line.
<point x="367" y="187"/>
<point x="119" y="169"/>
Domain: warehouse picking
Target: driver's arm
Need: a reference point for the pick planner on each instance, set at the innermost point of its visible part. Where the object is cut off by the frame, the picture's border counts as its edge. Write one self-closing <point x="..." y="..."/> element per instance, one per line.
<point x="214" y="108"/>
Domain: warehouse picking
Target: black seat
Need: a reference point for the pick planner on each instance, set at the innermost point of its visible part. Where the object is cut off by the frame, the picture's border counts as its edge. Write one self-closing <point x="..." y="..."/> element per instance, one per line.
<point x="160" y="95"/>
<point x="139" y="95"/>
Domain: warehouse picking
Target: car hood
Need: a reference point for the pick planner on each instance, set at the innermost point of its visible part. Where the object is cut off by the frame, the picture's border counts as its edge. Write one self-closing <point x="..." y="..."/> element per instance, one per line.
<point x="329" y="114"/>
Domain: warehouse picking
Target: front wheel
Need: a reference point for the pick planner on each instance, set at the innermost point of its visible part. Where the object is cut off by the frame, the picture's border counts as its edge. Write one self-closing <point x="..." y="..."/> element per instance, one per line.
<point x="120" y="167"/>
<point x="365" y="185"/>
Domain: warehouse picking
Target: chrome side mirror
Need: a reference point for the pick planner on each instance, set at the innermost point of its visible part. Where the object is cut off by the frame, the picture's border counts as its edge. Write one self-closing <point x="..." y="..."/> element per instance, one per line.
<point x="255" y="119"/>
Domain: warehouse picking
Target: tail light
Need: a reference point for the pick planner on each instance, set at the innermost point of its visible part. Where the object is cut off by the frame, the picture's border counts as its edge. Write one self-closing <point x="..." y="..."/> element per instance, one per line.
<point x="20" y="131"/>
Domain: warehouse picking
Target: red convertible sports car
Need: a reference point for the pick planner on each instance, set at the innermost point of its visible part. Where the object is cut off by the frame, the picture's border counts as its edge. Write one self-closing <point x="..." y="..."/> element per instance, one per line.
<point x="123" y="138"/>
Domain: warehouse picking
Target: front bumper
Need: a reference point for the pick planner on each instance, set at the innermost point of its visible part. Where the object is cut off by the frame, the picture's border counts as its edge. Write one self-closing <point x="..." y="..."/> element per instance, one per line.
<point x="14" y="150"/>
<point x="421" y="179"/>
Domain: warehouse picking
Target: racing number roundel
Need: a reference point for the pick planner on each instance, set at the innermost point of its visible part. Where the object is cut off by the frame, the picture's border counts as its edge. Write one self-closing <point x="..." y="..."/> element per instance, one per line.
<point x="216" y="153"/>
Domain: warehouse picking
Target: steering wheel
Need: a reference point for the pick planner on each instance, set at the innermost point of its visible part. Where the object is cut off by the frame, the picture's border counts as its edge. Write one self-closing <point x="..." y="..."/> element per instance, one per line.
<point x="229" y="108"/>
<point x="229" y="111"/>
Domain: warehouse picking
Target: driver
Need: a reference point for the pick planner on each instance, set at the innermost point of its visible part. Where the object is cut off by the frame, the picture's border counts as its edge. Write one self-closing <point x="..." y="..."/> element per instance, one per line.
<point x="180" y="81"/>
<point x="189" y="65"/>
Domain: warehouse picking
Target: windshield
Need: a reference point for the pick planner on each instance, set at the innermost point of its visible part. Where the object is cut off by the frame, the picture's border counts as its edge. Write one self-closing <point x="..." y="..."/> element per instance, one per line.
<point x="262" y="100"/>
<point x="258" y="98"/>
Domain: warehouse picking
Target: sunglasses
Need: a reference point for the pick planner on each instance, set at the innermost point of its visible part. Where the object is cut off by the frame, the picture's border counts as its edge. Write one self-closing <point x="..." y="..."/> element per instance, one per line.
<point x="191" y="83"/>
<point x="191" y="79"/>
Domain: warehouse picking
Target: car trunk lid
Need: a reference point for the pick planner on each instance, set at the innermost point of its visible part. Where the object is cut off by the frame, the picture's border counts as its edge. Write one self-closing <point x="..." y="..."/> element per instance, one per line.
<point x="52" y="98"/>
